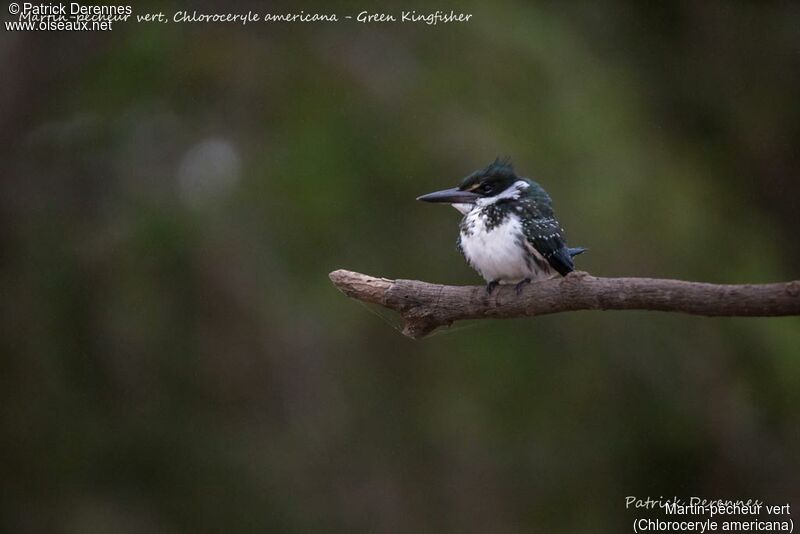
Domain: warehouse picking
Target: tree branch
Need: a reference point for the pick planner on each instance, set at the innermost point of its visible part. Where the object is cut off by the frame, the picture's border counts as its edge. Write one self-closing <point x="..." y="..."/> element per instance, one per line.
<point x="424" y="306"/>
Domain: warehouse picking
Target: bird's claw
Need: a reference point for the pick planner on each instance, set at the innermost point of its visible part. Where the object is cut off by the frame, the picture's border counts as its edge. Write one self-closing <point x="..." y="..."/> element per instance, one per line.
<point x="490" y="286"/>
<point x="519" y="286"/>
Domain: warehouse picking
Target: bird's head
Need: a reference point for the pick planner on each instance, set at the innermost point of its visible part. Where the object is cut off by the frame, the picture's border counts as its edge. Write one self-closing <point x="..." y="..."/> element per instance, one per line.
<point x="493" y="183"/>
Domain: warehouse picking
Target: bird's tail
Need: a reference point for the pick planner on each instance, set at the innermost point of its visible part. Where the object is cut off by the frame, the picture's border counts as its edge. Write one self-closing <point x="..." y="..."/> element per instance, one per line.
<point x="575" y="251"/>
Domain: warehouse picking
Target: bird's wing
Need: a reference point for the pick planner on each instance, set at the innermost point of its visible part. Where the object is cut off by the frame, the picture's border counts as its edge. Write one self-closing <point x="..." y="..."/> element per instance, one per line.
<point x="547" y="238"/>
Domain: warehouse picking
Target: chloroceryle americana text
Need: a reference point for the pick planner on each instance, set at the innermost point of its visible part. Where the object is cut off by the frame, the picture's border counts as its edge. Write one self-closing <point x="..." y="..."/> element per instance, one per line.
<point x="509" y="233"/>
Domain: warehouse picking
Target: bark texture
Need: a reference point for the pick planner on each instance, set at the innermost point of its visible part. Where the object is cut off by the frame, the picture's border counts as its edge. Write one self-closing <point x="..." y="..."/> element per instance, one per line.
<point x="424" y="306"/>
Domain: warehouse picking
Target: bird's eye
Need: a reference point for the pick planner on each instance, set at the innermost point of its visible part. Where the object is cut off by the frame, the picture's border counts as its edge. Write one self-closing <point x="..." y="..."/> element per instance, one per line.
<point x="485" y="188"/>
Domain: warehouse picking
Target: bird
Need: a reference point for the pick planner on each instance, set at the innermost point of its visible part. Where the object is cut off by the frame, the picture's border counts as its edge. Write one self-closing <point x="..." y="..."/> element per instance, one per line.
<point x="509" y="233"/>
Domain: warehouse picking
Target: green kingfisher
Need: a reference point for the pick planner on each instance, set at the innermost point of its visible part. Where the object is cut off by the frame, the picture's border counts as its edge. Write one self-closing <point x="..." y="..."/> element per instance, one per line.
<point x="509" y="233"/>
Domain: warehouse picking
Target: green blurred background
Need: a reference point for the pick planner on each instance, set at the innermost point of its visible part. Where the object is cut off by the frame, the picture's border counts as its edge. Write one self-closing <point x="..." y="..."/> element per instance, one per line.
<point x="175" y="359"/>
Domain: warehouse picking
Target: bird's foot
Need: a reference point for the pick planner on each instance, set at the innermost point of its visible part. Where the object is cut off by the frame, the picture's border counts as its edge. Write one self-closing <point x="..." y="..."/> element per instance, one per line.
<point x="490" y="286"/>
<point x="519" y="286"/>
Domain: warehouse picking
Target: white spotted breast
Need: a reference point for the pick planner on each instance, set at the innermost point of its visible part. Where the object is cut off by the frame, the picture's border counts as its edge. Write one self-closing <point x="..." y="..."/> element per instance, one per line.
<point x="497" y="248"/>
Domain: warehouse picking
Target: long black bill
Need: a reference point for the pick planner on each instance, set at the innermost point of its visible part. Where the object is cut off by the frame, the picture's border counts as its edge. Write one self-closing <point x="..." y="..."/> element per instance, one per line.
<point x="450" y="196"/>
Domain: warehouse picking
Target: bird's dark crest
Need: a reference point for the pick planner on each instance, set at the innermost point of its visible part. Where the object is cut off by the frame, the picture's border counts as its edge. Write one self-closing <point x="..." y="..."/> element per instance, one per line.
<point x="499" y="169"/>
